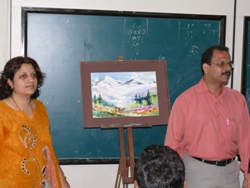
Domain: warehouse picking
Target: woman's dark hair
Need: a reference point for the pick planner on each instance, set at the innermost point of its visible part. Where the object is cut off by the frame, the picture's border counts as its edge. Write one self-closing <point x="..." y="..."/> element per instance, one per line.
<point x="10" y="69"/>
<point x="208" y="54"/>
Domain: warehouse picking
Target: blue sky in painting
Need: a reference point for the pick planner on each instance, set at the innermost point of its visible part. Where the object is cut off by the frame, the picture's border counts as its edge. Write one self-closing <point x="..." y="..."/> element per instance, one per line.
<point x="125" y="76"/>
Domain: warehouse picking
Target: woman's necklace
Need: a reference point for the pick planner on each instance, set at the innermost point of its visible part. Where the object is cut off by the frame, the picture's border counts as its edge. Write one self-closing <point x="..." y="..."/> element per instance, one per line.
<point x="17" y="105"/>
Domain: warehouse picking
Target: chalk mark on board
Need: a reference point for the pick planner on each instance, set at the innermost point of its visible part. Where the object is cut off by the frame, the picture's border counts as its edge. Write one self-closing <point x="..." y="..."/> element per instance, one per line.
<point x="86" y="49"/>
<point x="67" y="22"/>
<point x="194" y="50"/>
<point x="135" y="33"/>
<point x="161" y="57"/>
<point x="187" y="31"/>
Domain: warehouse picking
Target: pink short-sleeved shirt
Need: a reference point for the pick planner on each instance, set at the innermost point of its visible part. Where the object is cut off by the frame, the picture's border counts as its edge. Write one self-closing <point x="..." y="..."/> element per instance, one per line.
<point x="214" y="129"/>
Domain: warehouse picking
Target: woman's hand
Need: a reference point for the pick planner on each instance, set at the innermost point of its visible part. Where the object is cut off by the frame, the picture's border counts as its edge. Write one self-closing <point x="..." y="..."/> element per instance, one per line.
<point x="63" y="179"/>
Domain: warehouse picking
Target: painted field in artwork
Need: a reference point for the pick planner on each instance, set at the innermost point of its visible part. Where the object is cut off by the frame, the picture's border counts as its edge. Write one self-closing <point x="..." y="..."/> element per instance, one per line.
<point x="124" y="94"/>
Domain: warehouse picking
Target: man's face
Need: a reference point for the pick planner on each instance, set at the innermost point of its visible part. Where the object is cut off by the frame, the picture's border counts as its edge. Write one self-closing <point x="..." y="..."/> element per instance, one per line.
<point x="220" y="69"/>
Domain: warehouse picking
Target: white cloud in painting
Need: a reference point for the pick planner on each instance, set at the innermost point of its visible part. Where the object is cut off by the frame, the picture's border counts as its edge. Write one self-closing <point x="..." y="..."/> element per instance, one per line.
<point x="120" y="89"/>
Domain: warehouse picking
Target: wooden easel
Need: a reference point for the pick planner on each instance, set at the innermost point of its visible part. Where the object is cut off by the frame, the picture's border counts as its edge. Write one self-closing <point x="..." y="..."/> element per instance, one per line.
<point x="126" y="166"/>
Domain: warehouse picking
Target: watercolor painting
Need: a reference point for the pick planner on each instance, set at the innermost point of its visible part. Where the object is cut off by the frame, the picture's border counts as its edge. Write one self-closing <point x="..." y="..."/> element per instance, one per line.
<point x="124" y="94"/>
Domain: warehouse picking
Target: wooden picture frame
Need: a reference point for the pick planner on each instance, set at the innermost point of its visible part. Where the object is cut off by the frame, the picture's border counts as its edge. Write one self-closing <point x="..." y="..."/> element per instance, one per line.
<point x="131" y="92"/>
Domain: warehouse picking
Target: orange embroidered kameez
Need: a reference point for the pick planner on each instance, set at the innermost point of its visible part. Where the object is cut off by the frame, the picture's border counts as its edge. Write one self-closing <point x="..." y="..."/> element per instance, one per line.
<point x="27" y="158"/>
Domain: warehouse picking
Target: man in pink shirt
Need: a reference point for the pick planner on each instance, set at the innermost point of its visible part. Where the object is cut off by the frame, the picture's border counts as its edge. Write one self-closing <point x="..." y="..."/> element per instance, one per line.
<point x="209" y="125"/>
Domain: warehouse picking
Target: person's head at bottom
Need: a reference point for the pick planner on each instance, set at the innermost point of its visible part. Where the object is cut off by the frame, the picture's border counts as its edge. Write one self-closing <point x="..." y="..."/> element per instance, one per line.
<point x="159" y="167"/>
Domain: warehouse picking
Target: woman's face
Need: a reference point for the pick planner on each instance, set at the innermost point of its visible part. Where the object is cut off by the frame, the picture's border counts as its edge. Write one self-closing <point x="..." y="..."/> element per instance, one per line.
<point x="24" y="81"/>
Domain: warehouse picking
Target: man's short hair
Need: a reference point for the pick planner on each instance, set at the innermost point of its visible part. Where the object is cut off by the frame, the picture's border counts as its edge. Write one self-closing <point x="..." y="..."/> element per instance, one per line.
<point x="159" y="167"/>
<point x="208" y="54"/>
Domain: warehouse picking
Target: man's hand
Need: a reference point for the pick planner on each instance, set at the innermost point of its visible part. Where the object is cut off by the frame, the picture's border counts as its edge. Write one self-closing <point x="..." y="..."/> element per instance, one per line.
<point x="246" y="182"/>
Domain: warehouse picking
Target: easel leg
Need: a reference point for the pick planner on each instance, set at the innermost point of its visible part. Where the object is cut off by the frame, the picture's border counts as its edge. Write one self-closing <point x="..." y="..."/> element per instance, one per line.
<point x="126" y="164"/>
<point x="131" y="153"/>
<point x="118" y="177"/>
<point x="123" y="164"/>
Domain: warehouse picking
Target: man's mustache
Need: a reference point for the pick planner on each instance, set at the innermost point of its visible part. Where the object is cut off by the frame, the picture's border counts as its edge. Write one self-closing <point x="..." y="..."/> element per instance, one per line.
<point x="226" y="73"/>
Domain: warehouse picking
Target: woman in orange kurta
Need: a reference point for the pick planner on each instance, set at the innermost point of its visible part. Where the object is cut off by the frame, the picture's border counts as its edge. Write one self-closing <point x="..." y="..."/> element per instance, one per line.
<point x="27" y="157"/>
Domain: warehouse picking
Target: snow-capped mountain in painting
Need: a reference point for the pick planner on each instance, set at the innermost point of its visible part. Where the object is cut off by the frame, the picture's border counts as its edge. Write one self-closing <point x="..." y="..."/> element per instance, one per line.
<point x="124" y="94"/>
<point x="121" y="93"/>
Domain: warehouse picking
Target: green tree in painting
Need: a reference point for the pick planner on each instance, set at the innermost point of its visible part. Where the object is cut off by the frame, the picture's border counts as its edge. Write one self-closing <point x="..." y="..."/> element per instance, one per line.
<point x="94" y="99"/>
<point x="149" y="98"/>
<point x="99" y="99"/>
<point x="138" y="99"/>
<point x="144" y="99"/>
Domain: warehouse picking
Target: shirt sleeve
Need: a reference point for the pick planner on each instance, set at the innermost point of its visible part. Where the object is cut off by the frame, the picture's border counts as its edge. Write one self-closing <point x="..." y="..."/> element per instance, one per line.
<point x="175" y="128"/>
<point x="244" y="138"/>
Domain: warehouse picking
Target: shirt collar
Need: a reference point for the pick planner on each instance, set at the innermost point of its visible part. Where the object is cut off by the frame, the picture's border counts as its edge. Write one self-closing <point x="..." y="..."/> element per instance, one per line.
<point x="202" y="87"/>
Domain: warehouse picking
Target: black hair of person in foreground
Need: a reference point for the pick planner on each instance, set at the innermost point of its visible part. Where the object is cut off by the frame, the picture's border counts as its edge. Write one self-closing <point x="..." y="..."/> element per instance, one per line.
<point x="159" y="167"/>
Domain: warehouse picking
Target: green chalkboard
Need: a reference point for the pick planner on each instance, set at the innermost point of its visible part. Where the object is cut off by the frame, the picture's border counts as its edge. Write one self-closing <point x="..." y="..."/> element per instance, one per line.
<point x="60" y="39"/>
<point x="245" y="87"/>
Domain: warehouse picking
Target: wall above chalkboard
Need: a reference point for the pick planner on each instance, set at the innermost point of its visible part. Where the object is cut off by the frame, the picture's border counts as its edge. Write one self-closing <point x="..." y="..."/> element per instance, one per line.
<point x="59" y="39"/>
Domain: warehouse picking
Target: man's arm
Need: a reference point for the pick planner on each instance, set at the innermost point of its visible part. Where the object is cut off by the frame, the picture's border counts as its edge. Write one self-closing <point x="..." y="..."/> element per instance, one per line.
<point x="175" y="128"/>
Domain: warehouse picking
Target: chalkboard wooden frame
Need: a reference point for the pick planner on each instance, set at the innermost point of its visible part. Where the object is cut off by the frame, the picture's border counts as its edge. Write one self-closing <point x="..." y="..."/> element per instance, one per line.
<point x="245" y="59"/>
<point x="159" y="86"/>
<point x="29" y="10"/>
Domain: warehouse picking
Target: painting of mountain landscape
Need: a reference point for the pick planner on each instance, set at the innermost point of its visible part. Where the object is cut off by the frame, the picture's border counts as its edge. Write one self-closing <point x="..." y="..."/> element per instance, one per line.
<point x="124" y="94"/>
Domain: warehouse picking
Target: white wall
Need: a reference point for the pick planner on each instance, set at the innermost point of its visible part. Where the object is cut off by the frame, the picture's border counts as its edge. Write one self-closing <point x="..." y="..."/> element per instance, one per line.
<point x="86" y="176"/>
<point x="4" y="32"/>
<point x="91" y="176"/>
<point x="242" y="10"/>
